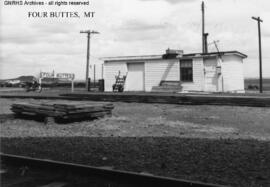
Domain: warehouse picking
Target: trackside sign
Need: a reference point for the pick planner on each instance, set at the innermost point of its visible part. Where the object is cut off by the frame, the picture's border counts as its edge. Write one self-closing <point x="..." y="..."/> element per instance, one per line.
<point x="46" y="75"/>
<point x="69" y="76"/>
<point x="60" y="76"/>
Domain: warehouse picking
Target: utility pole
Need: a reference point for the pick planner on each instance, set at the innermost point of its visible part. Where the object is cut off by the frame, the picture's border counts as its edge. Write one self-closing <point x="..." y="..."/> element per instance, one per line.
<point x="88" y="32"/>
<point x="94" y="75"/>
<point x="102" y="71"/>
<point x="203" y="43"/>
<point x="259" y="20"/>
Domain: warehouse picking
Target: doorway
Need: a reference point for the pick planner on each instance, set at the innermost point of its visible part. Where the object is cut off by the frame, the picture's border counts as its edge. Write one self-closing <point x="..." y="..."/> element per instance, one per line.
<point x="135" y="77"/>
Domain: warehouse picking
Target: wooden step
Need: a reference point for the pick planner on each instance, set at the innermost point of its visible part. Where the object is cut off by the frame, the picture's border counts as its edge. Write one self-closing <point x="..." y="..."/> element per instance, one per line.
<point x="170" y="83"/>
<point x="167" y="89"/>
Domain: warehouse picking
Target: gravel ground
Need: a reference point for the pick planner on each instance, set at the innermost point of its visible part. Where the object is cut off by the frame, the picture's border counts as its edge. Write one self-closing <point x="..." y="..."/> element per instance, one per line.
<point x="217" y="144"/>
<point x="228" y="162"/>
<point x="139" y="120"/>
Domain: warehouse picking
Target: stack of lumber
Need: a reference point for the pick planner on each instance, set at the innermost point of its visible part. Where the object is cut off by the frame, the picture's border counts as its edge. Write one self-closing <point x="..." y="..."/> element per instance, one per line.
<point x="64" y="110"/>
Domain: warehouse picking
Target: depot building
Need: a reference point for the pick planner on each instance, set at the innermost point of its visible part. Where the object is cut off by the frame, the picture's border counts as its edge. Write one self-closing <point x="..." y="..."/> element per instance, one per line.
<point x="175" y="71"/>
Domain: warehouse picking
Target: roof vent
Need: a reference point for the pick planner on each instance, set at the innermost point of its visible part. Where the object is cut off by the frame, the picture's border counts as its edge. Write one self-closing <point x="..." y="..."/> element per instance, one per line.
<point x="172" y="53"/>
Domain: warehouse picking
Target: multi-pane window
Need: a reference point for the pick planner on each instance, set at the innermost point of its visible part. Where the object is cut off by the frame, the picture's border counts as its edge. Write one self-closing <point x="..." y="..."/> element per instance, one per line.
<point x="186" y="71"/>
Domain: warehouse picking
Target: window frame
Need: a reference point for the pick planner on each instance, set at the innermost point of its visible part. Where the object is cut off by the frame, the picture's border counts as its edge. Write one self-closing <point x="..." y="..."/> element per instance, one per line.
<point x="186" y="74"/>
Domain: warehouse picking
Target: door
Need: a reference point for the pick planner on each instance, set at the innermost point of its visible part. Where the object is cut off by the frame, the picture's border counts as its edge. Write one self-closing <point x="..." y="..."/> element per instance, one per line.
<point x="135" y="77"/>
<point x="210" y="75"/>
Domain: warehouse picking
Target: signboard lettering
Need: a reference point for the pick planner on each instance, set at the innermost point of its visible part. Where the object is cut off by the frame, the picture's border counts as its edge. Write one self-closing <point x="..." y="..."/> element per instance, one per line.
<point x="69" y="76"/>
<point x="46" y="75"/>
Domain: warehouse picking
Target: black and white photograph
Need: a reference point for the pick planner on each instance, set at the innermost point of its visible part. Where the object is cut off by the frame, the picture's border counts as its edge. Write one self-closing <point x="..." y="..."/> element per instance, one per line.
<point x="135" y="93"/>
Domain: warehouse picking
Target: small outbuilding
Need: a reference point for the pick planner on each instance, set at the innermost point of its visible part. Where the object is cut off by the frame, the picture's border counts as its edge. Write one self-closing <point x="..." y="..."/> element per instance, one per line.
<point x="175" y="71"/>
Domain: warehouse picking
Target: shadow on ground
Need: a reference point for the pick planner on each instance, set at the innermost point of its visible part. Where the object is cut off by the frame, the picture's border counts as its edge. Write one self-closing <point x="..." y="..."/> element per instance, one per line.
<point x="44" y="119"/>
<point x="222" y="161"/>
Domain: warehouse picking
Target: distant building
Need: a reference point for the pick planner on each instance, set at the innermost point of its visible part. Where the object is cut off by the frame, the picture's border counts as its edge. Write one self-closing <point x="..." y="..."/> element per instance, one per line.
<point x="178" y="72"/>
<point x="15" y="81"/>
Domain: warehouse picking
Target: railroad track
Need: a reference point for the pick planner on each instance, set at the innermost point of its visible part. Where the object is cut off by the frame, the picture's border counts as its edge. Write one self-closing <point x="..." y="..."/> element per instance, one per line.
<point x="182" y="99"/>
<point x="26" y="171"/>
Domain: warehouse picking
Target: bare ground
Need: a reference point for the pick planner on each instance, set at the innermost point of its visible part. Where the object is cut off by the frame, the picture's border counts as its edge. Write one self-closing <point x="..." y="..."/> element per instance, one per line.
<point x="217" y="144"/>
<point x="137" y="119"/>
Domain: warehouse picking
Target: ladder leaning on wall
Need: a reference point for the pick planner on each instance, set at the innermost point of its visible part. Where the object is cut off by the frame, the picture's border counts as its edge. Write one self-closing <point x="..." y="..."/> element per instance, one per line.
<point x="119" y="84"/>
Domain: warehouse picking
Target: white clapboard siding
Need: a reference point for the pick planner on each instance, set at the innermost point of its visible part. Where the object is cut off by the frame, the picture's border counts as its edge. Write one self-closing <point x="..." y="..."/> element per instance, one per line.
<point x="233" y="76"/>
<point x="198" y="77"/>
<point x="111" y="70"/>
<point x="158" y="70"/>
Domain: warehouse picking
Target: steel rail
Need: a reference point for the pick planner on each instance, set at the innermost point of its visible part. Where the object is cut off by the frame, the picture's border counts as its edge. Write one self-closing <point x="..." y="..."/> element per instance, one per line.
<point x="107" y="174"/>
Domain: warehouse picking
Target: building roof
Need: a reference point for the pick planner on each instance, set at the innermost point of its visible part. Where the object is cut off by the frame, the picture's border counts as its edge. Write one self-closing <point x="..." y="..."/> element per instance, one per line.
<point x="159" y="57"/>
<point x="144" y="57"/>
<point x="216" y="54"/>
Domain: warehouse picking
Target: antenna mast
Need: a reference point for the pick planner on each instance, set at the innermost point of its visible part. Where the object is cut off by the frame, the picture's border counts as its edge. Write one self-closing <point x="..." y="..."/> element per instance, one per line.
<point x="204" y="35"/>
<point x="203" y="43"/>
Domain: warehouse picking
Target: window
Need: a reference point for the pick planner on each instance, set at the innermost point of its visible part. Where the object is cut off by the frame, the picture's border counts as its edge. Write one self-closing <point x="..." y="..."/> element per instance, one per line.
<point x="186" y="71"/>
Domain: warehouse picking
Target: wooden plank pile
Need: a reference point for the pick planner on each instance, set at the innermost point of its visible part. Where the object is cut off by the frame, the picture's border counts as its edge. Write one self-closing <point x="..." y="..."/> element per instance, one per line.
<point x="64" y="110"/>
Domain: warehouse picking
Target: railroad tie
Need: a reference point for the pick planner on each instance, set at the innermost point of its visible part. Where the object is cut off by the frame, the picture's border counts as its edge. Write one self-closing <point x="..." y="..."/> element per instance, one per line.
<point x="2" y="171"/>
<point x="55" y="184"/>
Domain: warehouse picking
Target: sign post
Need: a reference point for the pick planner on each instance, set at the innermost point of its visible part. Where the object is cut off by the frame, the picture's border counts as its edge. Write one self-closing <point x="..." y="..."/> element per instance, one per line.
<point x="67" y="76"/>
<point x="63" y="76"/>
<point x="72" y="86"/>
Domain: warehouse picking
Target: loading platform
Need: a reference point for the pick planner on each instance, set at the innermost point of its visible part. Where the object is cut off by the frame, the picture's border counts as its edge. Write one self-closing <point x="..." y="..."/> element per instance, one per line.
<point x="251" y="100"/>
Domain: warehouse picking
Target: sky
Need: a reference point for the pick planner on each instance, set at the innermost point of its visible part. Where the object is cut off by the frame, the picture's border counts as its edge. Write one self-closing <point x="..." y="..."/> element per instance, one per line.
<point x="128" y="28"/>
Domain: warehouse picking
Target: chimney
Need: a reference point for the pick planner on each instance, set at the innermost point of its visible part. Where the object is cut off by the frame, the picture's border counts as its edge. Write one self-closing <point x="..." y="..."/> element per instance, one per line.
<point x="205" y="35"/>
<point x="173" y="53"/>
